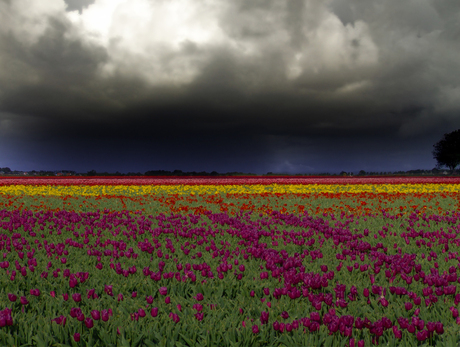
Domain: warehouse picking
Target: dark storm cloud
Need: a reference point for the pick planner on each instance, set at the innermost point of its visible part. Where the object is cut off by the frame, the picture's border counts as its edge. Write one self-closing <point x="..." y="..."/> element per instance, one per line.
<point x="296" y="86"/>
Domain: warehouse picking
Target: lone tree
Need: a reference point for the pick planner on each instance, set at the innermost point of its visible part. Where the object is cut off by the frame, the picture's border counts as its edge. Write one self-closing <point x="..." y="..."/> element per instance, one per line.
<point x="447" y="150"/>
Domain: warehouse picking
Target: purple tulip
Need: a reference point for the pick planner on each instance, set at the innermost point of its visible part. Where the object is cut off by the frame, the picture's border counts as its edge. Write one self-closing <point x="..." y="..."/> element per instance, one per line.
<point x="411" y="328"/>
<point x="66" y="297"/>
<point x="12" y="297"/>
<point x="89" y="323"/>
<point x="198" y="307"/>
<point x="104" y="315"/>
<point x="61" y="320"/>
<point x="439" y="328"/>
<point x="141" y="312"/>
<point x="163" y="290"/>
<point x="134" y="294"/>
<point x="361" y="343"/>
<point x="397" y="332"/>
<point x="408" y="306"/>
<point x="35" y="292"/>
<point x="264" y="317"/>
<point x="252" y="293"/>
<point x="366" y="294"/>
<point x="95" y="314"/>
<point x="255" y="329"/>
<point x="90" y="293"/>
<point x="24" y="300"/>
<point x="76" y="297"/>
<point x="199" y="297"/>
<point x="108" y="290"/>
<point x="199" y="316"/>
<point x="149" y="299"/>
<point x="76" y="337"/>
<point x="266" y="291"/>
<point x="422" y="335"/>
<point x="285" y="315"/>
<point x="154" y="312"/>
<point x="167" y="300"/>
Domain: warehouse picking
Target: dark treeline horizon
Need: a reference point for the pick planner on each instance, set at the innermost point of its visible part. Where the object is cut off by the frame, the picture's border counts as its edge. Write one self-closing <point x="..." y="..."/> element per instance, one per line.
<point x="179" y="173"/>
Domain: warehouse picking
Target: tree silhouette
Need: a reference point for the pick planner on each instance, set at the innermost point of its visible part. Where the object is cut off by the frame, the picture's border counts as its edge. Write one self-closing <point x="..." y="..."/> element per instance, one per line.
<point x="447" y="150"/>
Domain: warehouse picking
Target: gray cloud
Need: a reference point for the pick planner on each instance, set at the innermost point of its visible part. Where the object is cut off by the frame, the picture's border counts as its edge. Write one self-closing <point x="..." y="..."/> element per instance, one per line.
<point x="243" y="85"/>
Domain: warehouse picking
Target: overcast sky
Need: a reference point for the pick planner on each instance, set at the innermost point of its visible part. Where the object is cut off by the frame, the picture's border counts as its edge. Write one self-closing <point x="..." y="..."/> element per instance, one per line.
<point x="295" y="86"/>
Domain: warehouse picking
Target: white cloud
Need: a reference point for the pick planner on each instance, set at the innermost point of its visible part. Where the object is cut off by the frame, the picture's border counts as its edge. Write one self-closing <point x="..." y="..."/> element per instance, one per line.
<point x="160" y="41"/>
<point x="27" y="20"/>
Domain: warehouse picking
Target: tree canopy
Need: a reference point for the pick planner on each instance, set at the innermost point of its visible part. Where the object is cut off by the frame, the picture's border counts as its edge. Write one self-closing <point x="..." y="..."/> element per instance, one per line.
<point x="447" y="150"/>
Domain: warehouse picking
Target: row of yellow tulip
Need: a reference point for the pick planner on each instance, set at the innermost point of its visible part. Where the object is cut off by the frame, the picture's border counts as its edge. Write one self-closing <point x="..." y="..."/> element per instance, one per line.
<point x="132" y="190"/>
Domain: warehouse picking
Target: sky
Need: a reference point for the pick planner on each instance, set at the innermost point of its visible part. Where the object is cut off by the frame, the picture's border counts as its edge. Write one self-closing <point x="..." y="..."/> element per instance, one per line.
<point x="286" y="86"/>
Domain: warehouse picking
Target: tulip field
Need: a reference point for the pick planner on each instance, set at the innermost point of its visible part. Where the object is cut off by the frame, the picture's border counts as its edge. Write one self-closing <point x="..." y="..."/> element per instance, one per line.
<point x="229" y="261"/>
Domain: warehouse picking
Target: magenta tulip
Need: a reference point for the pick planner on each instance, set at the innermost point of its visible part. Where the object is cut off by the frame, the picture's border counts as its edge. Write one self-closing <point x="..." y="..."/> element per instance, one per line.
<point x="154" y="312"/>
<point x="89" y="322"/>
<point x="95" y="314"/>
<point x="12" y="297"/>
<point x="76" y="337"/>
<point x="104" y="315"/>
